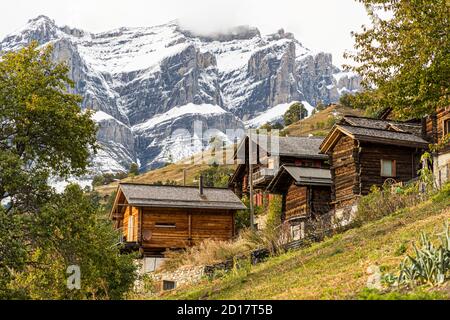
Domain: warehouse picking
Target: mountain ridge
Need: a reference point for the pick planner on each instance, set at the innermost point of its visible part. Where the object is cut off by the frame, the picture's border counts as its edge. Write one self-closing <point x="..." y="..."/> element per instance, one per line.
<point x="133" y="76"/>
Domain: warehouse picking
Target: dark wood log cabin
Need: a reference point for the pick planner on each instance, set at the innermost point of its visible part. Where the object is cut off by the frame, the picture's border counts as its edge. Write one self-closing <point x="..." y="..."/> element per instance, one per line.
<point x="436" y="128"/>
<point x="154" y="218"/>
<point x="269" y="154"/>
<point x="364" y="152"/>
<point x="306" y="196"/>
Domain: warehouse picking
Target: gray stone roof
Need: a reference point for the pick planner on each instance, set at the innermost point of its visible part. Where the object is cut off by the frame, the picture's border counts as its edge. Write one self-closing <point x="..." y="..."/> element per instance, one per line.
<point x="384" y="136"/>
<point x="302" y="176"/>
<point x="411" y="127"/>
<point x="144" y="195"/>
<point x="301" y="147"/>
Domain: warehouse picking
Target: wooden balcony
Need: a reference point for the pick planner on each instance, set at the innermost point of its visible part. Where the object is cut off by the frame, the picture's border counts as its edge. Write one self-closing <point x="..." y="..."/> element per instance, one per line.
<point x="262" y="177"/>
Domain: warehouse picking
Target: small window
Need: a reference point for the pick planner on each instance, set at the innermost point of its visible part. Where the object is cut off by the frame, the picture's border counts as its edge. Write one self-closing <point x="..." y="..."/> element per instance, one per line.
<point x="446" y="127"/>
<point x="388" y="168"/>
<point x="168" y="285"/>
<point x="165" y="225"/>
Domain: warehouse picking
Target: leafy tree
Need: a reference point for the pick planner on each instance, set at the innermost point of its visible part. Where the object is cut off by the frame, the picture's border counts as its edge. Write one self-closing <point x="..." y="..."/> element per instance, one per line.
<point x="43" y="132"/>
<point x="404" y="57"/>
<point x="216" y="176"/>
<point x="71" y="229"/>
<point x="348" y="100"/>
<point x="296" y="112"/>
<point x="134" y="170"/>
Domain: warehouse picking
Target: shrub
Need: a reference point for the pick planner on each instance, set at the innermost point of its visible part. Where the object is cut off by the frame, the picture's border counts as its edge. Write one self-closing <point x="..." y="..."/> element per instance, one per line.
<point x="443" y="194"/>
<point x="216" y="176"/>
<point x="107" y="178"/>
<point x="274" y="212"/>
<point x="384" y="201"/>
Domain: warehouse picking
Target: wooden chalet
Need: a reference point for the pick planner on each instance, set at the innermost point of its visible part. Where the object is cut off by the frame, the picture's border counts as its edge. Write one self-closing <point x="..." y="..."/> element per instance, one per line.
<point x="364" y="152"/>
<point x="154" y="218"/>
<point x="306" y="196"/>
<point x="436" y="129"/>
<point x="269" y="154"/>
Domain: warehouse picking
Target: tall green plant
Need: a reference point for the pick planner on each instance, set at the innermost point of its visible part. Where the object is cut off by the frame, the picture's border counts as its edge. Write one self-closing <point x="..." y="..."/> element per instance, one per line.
<point x="430" y="264"/>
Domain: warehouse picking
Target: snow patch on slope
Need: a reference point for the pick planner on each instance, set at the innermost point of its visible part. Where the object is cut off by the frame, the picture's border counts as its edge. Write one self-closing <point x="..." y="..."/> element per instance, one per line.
<point x="177" y="112"/>
<point x="274" y="114"/>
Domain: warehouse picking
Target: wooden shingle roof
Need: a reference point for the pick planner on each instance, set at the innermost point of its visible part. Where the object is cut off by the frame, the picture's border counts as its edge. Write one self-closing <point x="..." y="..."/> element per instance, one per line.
<point x="406" y="134"/>
<point x="301" y="176"/>
<point x="145" y="195"/>
<point x="299" y="147"/>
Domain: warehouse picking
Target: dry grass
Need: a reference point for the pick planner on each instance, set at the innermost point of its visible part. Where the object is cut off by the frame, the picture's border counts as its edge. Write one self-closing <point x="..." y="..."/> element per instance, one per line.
<point x="172" y="172"/>
<point x="207" y="253"/>
<point x="309" y="125"/>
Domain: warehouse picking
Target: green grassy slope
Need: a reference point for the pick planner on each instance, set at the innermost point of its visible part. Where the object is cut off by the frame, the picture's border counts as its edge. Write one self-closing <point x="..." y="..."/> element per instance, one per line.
<point x="333" y="269"/>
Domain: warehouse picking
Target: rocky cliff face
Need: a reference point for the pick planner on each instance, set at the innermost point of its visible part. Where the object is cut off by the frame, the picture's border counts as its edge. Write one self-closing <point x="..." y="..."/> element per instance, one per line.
<point x="149" y="84"/>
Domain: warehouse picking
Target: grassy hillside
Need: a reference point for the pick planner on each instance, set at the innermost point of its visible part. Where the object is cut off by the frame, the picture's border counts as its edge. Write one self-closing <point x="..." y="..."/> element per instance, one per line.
<point x="319" y="123"/>
<point x="174" y="172"/>
<point x="335" y="268"/>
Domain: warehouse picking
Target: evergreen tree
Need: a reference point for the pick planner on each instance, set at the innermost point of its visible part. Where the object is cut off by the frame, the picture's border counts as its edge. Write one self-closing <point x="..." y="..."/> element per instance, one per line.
<point x="296" y="112"/>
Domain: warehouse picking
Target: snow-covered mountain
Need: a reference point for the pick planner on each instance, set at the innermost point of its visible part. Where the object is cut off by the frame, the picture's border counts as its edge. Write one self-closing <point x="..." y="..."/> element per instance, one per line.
<point x="147" y="83"/>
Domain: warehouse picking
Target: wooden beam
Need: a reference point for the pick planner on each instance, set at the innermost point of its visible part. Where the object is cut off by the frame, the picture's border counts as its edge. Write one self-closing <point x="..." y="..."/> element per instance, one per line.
<point x="190" y="228"/>
<point x="141" y="223"/>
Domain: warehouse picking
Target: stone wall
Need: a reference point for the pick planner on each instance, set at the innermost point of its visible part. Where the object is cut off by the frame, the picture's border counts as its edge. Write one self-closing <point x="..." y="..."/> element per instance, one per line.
<point x="182" y="276"/>
<point x="191" y="275"/>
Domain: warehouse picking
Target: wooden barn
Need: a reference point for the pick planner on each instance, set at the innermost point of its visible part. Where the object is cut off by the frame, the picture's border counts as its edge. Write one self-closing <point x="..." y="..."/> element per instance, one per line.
<point x="269" y="153"/>
<point x="306" y="196"/>
<point x="154" y="218"/>
<point x="437" y="130"/>
<point x="364" y="152"/>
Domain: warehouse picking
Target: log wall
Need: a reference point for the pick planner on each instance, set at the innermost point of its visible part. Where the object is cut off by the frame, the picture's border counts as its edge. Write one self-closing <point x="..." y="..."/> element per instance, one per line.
<point x="407" y="163"/>
<point x="296" y="202"/>
<point x="344" y="169"/>
<point x="166" y="228"/>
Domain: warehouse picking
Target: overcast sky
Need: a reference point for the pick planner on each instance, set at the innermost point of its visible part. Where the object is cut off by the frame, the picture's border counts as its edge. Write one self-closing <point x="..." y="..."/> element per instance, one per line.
<point x="319" y="24"/>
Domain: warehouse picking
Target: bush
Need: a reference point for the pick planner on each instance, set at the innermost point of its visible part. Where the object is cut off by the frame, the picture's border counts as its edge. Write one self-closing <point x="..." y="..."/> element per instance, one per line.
<point x="384" y="201"/>
<point x="443" y="194"/>
<point x="107" y="178"/>
<point x="274" y="212"/>
<point x="242" y="217"/>
<point x="216" y="176"/>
